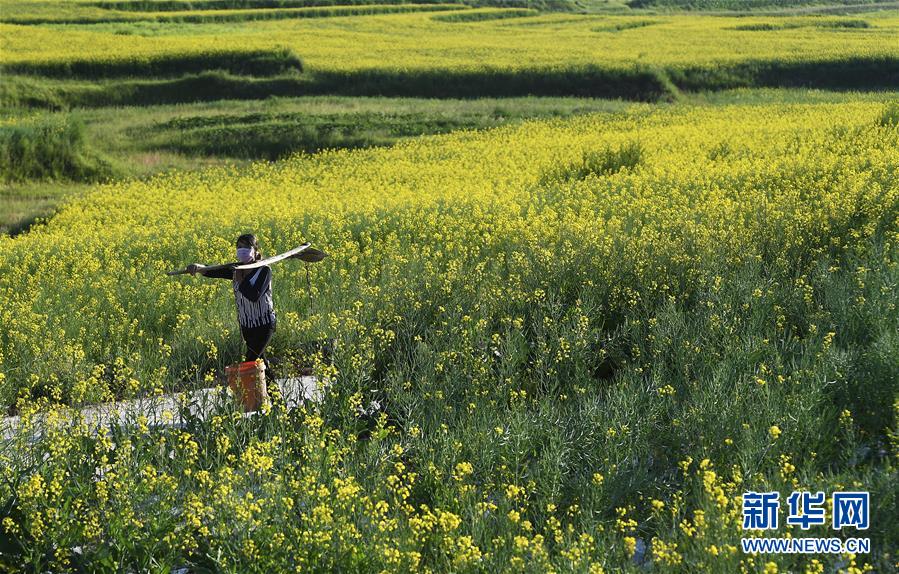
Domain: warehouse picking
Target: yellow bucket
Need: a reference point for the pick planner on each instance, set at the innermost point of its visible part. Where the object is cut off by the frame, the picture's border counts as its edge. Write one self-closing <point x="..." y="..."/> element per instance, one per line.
<point x="247" y="382"/>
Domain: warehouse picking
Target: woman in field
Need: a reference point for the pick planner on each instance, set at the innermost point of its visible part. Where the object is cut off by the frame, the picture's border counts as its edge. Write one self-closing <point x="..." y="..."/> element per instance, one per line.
<point x="253" y="295"/>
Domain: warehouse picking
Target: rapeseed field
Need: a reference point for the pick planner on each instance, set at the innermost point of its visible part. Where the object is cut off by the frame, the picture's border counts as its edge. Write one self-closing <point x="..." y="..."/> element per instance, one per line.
<point x="586" y="339"/>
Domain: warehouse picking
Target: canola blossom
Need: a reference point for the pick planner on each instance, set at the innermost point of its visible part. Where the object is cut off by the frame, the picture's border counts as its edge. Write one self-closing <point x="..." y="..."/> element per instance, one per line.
<point x="588" y="336"/>
<point x="486" y="216"/>
<point x="549" y="41"/>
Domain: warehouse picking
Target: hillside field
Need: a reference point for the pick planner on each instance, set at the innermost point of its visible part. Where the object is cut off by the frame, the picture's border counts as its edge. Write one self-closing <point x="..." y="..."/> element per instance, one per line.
<point x="596" y="270"/>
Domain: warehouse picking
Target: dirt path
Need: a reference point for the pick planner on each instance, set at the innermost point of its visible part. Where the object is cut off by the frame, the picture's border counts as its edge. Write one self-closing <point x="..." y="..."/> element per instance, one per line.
<point x="165" y="410"/>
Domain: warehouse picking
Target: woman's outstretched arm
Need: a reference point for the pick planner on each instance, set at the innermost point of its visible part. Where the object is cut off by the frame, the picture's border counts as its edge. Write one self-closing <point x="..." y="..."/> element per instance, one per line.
<point x="223" y="273"/>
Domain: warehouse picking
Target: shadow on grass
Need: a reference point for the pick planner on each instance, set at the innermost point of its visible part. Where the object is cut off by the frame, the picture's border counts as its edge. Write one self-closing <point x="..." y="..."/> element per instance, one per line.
<point x="637" y="83"/>
<point x="590" y="81"/>
<point x="24" y="225"/>
<point x="238" y="62"/>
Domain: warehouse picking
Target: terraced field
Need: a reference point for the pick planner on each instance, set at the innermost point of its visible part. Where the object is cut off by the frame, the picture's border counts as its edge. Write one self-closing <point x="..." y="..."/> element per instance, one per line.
<point x="595" y="272"/>
<point x="618" y="56"/>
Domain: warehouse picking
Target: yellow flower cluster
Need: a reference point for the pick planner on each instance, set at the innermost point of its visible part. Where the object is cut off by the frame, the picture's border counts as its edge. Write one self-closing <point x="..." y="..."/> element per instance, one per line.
<point x="684" y="202"/>
<point x="489" y="218"/>
<point x="550" y="41"/>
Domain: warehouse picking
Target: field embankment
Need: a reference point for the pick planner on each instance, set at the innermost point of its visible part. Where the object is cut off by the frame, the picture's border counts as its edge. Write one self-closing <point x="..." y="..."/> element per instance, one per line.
<point x="513" y="53"/>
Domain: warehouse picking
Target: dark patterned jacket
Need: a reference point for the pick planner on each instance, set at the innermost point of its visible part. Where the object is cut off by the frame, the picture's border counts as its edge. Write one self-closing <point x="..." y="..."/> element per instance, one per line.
<point x="253" y="295"/>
